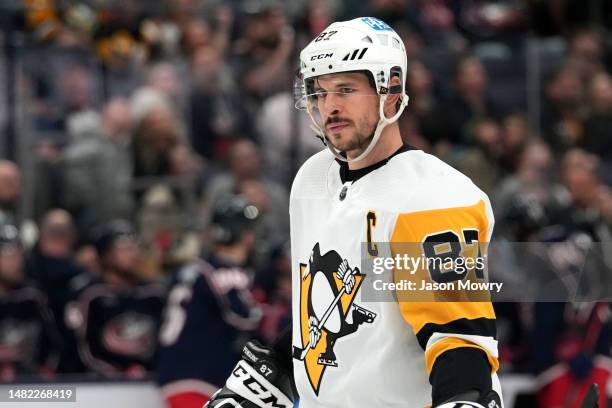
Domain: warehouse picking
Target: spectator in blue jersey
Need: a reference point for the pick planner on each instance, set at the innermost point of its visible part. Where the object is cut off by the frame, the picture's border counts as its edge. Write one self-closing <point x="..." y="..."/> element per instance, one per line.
<point x="28" y="338"/>
<point x="209" y="310"/>
<point x="117" y="319"/>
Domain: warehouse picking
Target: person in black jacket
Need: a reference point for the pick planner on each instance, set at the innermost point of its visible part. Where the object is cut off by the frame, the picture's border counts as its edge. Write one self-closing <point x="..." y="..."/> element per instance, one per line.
<point x="52" y="265"/>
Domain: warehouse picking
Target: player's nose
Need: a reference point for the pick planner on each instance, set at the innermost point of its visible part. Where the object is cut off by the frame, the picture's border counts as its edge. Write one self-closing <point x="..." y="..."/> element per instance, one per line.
<point x="333" y="104"/>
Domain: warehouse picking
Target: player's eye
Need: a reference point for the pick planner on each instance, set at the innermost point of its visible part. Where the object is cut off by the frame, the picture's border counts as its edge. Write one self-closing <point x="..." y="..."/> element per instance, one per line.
<point x="346" y="91"/>
<point x="320" y="95"/>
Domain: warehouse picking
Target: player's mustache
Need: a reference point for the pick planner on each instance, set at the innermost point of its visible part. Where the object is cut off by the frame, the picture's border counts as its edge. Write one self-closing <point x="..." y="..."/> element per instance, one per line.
<point x="336" y="119"/>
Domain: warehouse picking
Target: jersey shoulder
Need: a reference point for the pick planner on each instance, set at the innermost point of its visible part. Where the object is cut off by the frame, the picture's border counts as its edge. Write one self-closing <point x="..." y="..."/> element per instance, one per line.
<point x="428" y="167"/>
<point x="312" y="177"/>
<point x="432" y="183"/>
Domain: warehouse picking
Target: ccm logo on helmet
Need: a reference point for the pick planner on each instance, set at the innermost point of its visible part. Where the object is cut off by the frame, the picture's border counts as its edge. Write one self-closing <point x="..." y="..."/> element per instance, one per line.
<point x="322" y="56"/>
<point x="257" y="388"/>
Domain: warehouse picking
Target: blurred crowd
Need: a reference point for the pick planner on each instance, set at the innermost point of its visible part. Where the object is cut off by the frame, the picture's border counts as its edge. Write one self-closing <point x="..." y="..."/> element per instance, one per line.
<point x="153" y="112"/>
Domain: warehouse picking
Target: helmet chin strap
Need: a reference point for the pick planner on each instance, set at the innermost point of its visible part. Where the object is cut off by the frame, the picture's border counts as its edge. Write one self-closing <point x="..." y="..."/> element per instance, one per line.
<point x="383" y="121"/>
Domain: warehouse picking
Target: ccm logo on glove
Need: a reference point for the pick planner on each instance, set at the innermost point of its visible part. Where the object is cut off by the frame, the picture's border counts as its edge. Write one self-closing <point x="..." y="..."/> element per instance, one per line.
<point x="245" y="380"/>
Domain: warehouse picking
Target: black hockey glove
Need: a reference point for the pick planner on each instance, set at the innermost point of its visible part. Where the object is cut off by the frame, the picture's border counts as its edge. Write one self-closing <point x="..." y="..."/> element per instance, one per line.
<point x="258" y="380"/>
<point x="473" y="400"/>
<point x="591" y="400"/>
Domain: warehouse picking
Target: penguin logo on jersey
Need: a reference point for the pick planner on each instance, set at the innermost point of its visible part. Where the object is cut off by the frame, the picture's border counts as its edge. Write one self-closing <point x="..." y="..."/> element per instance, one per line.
<point x="327" y="312"/>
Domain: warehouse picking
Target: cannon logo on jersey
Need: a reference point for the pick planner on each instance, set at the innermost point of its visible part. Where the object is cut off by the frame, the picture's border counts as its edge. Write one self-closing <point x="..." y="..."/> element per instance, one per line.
<point x="327" y="312"/>
<point x="18" y="340"/>
<point x="130" y="334"/>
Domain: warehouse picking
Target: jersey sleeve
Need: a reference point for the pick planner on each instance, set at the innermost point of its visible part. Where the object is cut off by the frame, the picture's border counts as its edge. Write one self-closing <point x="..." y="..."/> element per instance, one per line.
<point x="445" y="320"/>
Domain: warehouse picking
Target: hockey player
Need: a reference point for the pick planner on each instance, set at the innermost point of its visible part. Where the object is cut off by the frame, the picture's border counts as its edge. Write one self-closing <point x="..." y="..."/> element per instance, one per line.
<point x="368" y="187"/>
<point x="29" y="342"/>
<point x="117" y="320"/>
<point x="209" y="311"/>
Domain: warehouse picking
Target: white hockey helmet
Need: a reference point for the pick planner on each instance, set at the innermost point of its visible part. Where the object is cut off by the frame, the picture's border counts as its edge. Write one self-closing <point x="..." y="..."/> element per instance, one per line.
<point x="362" y="44"/>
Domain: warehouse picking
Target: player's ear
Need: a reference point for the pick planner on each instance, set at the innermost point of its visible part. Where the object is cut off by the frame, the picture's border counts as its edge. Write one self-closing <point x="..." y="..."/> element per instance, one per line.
<point x="392" y="99"/>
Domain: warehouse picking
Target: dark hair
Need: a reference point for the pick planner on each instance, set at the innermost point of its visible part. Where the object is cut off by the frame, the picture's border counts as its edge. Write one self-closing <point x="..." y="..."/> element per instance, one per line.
<point x="105" y="237"/>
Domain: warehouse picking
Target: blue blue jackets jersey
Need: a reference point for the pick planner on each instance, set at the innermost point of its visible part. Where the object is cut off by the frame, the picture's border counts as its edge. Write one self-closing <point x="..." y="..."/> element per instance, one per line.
<point x="119" y="326"/>
<point x="28" y="338"/>
<point x="209" y="308"/>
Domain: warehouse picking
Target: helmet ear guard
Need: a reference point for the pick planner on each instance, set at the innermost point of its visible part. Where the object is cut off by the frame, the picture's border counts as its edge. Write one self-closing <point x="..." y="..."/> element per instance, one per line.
<point x="396" y="89"/>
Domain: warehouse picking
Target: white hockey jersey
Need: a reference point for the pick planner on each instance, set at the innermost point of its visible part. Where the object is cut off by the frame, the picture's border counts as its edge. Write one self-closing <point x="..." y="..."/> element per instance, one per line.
<point x="378" y="354"/>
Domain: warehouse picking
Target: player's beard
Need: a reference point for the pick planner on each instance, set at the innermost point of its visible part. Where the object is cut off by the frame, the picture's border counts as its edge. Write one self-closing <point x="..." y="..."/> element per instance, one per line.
<point x="359" y="141"/>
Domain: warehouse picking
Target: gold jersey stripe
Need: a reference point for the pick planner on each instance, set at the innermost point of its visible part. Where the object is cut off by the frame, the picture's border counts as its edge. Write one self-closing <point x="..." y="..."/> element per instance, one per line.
<point x="450" y="343"/>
